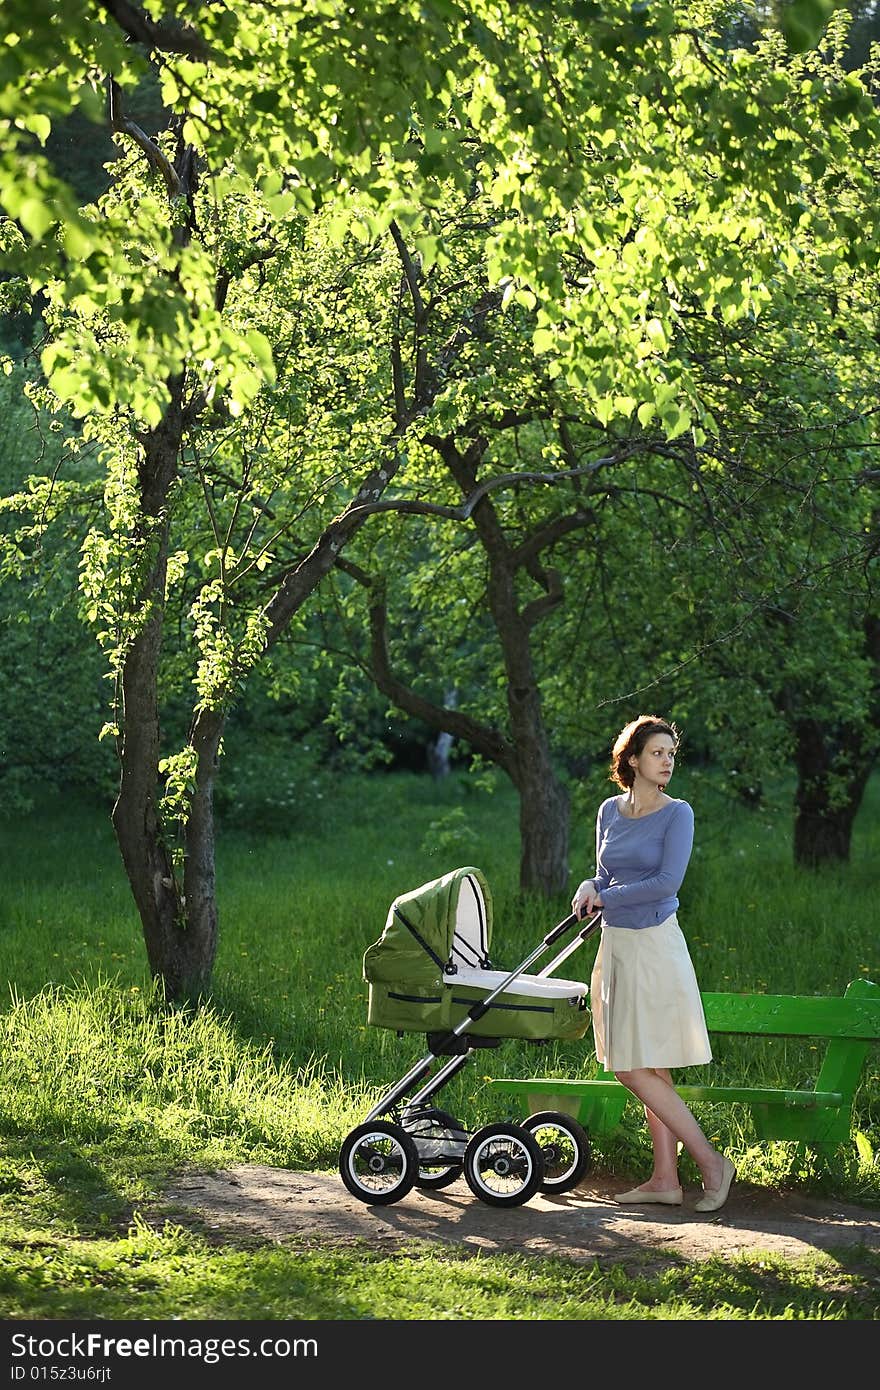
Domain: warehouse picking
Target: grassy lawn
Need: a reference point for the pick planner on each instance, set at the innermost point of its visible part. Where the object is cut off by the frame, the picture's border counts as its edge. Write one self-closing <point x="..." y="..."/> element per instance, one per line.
<point x="106" y="1092"/>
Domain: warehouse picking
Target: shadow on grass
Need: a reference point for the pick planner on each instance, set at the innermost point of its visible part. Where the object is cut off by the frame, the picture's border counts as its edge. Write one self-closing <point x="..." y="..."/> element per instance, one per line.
<point x="67" y="1182"/>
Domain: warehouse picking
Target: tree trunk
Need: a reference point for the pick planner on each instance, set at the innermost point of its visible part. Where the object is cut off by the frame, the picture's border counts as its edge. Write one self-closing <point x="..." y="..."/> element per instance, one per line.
<point x="833" y="768"/>
<point x="135" y="815"/>
<point x="179" y="927"/>
<point x="439" y="748"/>
<point x="544" y="804"/>
<point x="544" y="822"/>
<point x="199" y="950"/>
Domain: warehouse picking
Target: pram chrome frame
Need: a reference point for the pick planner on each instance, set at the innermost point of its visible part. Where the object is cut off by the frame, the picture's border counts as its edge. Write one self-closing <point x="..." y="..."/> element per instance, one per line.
<point x="503" y="1164"/>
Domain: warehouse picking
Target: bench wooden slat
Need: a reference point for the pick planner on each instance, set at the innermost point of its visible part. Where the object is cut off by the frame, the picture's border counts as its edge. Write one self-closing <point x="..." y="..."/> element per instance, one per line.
<point x="748" y="1095"/>
<point x="756" y="1095"/>
<point x="793" y="1015"/>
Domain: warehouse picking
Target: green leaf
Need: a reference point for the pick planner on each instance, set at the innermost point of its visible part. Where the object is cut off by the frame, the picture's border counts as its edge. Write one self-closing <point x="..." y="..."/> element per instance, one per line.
<point x="39" y="125"/>
<point x="802" y="22"/>
<point x="656" y="335"/>
<point x="675" y="422"/>
<point x="280" y="204"/>
<point x="845" y="100"/>
<point x="863" y="1146"/>
<point x="35" y="217"/>
<point x="78" y="243"/>
<point x="262" y="350"/>
<point x="267" y="100"/>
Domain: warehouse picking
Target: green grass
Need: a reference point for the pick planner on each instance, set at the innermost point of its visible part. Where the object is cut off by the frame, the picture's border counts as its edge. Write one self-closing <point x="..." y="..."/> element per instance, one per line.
<point x="147" y="1272"/>
<point x="106" y="1091"/>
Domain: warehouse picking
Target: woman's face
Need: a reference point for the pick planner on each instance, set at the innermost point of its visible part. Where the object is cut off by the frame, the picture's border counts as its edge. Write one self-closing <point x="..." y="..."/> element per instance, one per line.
<point x="656" y="761"/>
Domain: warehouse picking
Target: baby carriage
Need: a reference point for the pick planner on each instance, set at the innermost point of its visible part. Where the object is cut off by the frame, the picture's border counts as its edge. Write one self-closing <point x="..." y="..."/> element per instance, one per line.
<point x="430" y="973"/>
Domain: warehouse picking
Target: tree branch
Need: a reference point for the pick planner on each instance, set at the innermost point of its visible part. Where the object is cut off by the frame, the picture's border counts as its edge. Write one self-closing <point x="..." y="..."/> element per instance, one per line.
<point x="540" y="607"/>
<point x="303" y="577"/>
<point x="411" y="272"/>
<point x="489" y="742"/>
<point x="397" y="379"/>
<point x="155" y="157"/>
<point x="159" y="35"/>
<point x="463" y="513"/>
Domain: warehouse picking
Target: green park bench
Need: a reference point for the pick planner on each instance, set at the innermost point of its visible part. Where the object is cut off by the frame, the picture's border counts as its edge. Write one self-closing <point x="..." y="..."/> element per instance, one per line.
<point x="822" y="1116"/>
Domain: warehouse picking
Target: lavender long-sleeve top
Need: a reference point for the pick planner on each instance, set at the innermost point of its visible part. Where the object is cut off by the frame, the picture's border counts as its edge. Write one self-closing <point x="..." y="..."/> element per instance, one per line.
<point x="641" y="862"/>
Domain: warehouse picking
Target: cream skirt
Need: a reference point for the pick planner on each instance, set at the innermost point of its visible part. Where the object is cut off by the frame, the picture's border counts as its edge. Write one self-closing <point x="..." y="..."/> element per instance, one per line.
<point x="645" y="1001"/>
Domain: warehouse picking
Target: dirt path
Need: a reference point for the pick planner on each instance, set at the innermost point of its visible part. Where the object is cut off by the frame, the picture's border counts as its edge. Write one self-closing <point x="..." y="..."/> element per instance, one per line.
<point x="275" y="1204"/>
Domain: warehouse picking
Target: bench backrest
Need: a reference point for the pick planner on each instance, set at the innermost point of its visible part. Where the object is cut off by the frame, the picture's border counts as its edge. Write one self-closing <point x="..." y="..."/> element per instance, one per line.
<point x="855" y="1014"/>
<point x="850" y="1023"/>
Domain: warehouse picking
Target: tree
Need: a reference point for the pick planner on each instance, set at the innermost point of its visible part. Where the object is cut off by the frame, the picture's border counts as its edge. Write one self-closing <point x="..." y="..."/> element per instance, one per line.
<point x="760" y="623"/>
<point x="185" y="311"/>
<point x="756" y="475"/>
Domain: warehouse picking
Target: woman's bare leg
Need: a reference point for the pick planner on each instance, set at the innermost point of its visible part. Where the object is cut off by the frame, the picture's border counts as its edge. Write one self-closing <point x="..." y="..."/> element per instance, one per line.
<point x="664" y="1178"/>
<point x="655" y="1090"/>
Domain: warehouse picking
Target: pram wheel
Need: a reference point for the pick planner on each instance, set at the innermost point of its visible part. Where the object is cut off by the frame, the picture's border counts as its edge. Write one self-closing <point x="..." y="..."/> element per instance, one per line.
<point x="378" y="1163"/>
<point x="432" y="1177"/>
<point x="503" y="1165"/>
<point x="565" y="1147"/>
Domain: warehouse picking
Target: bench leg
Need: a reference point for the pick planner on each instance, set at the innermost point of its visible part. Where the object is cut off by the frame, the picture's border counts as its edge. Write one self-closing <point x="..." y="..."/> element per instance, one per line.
<point x="602" y="1114"/>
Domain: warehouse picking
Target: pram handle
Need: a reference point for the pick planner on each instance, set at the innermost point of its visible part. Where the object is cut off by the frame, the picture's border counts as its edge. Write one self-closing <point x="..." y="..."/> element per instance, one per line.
<point x="562" y="927"/>
<point x="574" y="944"/>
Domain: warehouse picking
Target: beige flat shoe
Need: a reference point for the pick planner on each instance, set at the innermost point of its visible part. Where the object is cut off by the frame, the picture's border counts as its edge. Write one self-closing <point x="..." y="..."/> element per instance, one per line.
<point x="672" y="1197"/>
<point x="715" y="1197"/>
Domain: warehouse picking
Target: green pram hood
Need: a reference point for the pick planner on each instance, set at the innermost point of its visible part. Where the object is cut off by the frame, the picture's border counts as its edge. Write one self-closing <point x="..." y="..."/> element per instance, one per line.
<point x="431" y="928"/>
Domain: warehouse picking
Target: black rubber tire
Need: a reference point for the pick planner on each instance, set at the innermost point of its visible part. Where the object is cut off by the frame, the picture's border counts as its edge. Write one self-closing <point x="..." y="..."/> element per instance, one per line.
<point x="566" y="1159"/>
<point x="363" y="1167"/>
<point x="433" y="1182"/>
<point x="513" y="1159"/>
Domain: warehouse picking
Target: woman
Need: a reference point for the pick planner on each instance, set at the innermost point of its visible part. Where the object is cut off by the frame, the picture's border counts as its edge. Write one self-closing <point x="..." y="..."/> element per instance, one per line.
<point x="647" y="1010"/>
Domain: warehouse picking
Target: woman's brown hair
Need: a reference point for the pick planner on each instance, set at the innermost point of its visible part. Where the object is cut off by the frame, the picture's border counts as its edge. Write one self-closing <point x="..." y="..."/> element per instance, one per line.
<point x="630" y="742"/>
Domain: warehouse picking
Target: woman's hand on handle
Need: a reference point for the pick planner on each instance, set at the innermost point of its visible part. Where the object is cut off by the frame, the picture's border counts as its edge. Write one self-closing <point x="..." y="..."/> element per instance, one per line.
<point x="586" y="899"/>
